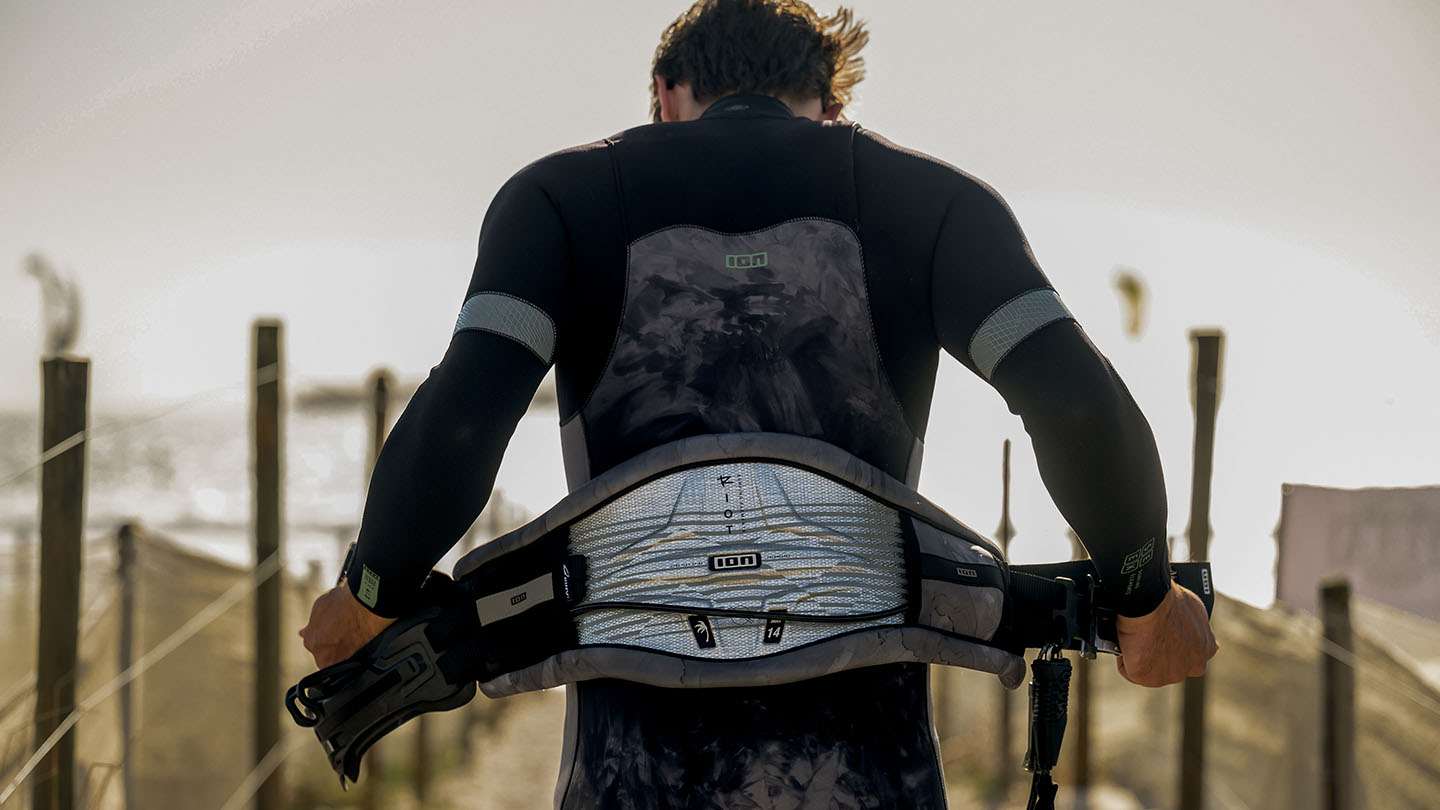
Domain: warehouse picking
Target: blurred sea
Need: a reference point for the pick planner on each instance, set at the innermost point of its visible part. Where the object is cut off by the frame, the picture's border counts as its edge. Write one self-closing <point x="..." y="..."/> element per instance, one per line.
<point x="185" y="472"/>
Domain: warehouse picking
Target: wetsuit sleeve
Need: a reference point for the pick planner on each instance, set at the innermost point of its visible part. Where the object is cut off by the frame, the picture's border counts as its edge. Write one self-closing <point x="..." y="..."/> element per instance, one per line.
<point x="438" y="465"/>
<point x="996" y="312"/>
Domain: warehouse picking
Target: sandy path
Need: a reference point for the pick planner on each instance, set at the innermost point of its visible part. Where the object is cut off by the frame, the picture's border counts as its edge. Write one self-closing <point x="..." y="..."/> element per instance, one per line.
<point x="514" y="764"/>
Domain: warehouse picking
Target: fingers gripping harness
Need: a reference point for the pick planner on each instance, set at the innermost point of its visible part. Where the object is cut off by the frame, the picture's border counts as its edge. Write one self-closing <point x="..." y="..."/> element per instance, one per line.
<point x="418" y="664"/>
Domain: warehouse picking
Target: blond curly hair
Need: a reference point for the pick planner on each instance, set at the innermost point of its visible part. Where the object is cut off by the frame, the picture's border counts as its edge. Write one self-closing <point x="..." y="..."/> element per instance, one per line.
<point x="771" y="47"/>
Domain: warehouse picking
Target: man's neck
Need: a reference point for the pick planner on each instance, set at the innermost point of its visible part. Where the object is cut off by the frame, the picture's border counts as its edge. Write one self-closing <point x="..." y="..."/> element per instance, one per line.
<point x="747" y="105"/>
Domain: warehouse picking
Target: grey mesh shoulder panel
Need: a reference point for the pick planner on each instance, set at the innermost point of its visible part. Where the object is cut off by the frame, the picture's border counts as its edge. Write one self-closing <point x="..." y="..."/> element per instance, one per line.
<point x="1008" y="326"/>
<point x="511" y="317"/>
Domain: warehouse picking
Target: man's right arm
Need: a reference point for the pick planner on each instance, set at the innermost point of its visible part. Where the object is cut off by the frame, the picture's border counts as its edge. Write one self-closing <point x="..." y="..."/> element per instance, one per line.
<point x="438" y="465"/>
<point x="996" y="312"/>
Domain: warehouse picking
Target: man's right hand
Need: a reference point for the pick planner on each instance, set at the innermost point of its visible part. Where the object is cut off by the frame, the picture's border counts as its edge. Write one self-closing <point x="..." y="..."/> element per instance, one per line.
<point x="339" y="626"/>
<point x="1167" y="645"/>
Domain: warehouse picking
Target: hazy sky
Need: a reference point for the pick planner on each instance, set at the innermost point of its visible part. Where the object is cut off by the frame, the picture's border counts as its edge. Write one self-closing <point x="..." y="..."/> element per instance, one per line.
<point x="1267" y="168"/>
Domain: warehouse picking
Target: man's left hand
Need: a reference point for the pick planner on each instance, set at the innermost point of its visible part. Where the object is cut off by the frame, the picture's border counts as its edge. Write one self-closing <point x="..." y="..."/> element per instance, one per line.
<point x="339" y="626"/>
<point x="1168" y="645"/>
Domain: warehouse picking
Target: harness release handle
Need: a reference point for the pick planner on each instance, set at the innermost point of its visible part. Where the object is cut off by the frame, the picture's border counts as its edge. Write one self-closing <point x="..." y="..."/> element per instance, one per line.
<point x="1049" y="709"/>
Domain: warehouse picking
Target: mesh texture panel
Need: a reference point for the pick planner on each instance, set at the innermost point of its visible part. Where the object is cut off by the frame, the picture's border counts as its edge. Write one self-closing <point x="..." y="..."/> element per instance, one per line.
<point x="510" y="317"/>
<point x="822" y="549"/>
<point x="1008" y="326"/>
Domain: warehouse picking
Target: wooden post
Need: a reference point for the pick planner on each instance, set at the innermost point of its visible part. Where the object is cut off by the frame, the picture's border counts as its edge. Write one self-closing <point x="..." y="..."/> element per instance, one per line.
<point x="267" y="398"/>
<point x="1083" y="667"/>
<point x="380" y="384"/>
<point x="125" y="570"/>
<point x="1006" y="531"/>
<point x="62" y="519"/>
<point x="1208" y="346"/>
<point x="1337" y="684"/>
<point x="422" y="761"/>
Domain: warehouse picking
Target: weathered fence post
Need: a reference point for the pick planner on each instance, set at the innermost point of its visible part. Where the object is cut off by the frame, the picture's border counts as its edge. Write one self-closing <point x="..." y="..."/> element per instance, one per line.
<point x="380" y="384"/>
<point x="125" y="571"/>
<point x="1208" y="345"/>
<point x="62" y="520"/>
<point x="266" y="396"/>
<point x="1083" y="667"/>
<point x="1004" y="533"/>
<point x="1337" y="685"/>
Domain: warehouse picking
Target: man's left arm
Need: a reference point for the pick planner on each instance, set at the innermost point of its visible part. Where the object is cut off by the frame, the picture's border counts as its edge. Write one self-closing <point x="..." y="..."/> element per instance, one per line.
<point x="995" y="311"/>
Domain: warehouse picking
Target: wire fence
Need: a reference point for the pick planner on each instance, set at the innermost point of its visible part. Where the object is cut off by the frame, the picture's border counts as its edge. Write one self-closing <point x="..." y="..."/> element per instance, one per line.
<point x="191" y="688"/>
<point x="1263" y="693"/>
<point x="1263" y="721"/>
<point x="192" y="701"/>
<point x="187" y="631"/>
<point x="116" y="429"/>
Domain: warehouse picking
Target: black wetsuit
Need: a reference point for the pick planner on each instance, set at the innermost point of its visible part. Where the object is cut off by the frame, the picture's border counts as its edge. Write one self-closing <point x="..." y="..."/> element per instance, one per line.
<point x="756" y="271"/>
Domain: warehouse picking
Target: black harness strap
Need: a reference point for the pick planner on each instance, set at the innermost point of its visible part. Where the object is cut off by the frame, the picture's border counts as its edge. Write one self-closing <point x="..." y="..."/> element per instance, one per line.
<point x="430" y="661"/>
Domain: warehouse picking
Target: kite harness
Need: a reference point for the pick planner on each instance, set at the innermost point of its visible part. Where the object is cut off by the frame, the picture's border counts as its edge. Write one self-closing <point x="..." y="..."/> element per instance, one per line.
<point x="720" y="561"/>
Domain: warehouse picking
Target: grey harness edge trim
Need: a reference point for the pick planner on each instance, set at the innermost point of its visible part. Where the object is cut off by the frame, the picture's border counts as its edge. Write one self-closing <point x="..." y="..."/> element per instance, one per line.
<point x="814" y="454"/>
<point x="885" y="645"/>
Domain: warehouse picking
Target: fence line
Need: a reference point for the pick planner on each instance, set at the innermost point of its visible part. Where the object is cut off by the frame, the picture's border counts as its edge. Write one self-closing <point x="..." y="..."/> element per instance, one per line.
<point x="1350" y="659"/>
<point x="92" y="434"/>
<point x="263" y="572"/>
<point x="279" y="752"/>
<point x="1222" y="791"/>
<point x="14" y="696"/>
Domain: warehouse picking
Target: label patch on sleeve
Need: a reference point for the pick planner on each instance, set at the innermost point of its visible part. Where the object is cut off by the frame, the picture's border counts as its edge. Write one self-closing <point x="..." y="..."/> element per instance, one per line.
<point x="1137" y="558"/>
<point x="369" y="590"/>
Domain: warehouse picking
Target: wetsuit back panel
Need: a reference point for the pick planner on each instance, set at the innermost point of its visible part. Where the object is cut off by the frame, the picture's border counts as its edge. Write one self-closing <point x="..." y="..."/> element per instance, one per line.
<point x="746" y="307"/>
<point x="855" y="740"/>
<point x="744" y="332"/>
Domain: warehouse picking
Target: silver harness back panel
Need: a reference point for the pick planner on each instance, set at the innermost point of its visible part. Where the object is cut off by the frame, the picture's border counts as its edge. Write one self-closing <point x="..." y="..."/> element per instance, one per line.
<point x="740" y="559"/>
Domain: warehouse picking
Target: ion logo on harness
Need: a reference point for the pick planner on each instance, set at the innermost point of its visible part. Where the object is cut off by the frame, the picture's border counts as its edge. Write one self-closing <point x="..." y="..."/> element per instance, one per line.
<point x="735" y="562"/>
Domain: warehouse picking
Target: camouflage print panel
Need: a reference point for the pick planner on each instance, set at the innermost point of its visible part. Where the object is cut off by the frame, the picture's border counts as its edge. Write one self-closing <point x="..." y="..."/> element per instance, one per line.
<point x="765" y="331"/>
<point x="857" y="740"/>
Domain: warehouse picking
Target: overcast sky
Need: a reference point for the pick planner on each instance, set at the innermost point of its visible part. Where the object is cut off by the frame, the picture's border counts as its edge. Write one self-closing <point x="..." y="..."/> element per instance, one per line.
<point x="1267" y="168"/>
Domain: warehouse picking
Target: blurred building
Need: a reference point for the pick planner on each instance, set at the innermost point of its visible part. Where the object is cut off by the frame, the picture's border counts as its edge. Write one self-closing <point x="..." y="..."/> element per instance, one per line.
<point x="1387" y="541"/>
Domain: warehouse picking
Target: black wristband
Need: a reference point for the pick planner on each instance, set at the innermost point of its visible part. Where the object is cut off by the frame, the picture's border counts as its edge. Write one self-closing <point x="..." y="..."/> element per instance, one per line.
<point x="1142" y="581"/>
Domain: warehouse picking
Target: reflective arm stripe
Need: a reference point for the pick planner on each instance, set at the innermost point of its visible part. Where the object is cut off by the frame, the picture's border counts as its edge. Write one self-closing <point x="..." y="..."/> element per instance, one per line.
<point x="510" y="317"/>
<point x="1008" y="326"/>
